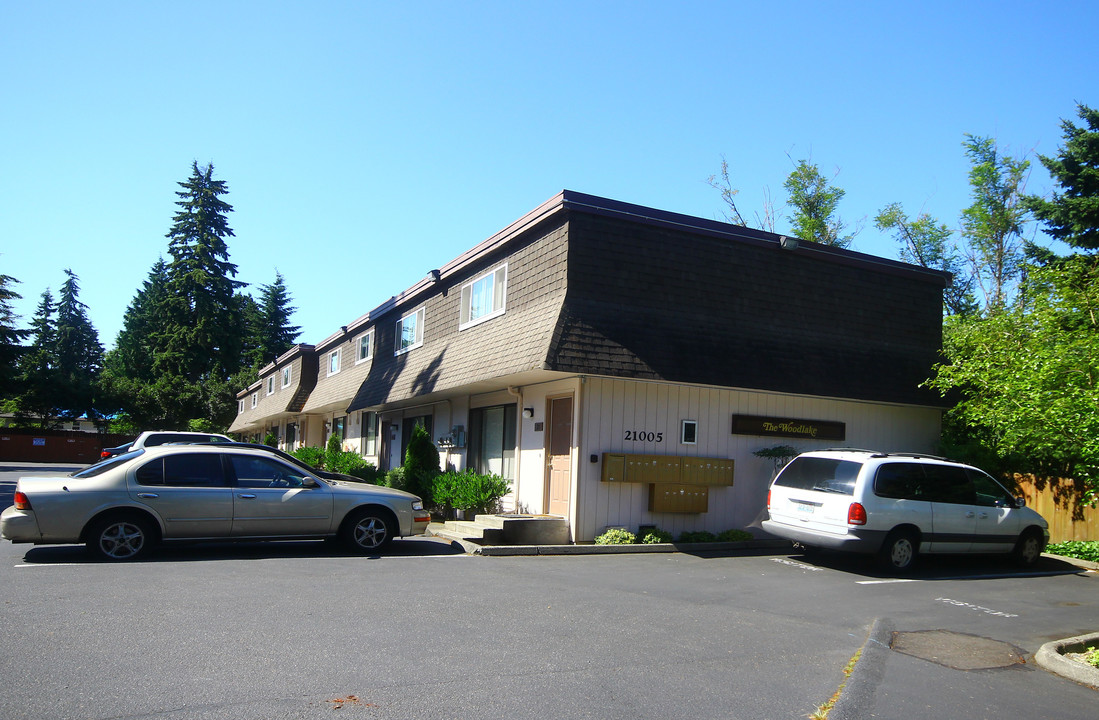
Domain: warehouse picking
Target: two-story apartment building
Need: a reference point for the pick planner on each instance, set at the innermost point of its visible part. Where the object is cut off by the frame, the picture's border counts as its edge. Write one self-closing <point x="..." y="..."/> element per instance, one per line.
<point x="621" y="365"/>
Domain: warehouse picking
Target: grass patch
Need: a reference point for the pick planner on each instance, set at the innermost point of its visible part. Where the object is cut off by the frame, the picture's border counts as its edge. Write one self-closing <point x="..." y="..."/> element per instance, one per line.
<point x="822" y="711"/>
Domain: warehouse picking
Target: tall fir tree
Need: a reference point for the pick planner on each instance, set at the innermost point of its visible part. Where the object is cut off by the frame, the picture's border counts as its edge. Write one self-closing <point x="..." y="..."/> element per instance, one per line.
<point x="1072" y="215"/>
<point x="203" y="335"/>
<point x="278" y="335"/>
<point x="146" y="315"/>
<point x="78" y="355"/>
<point x="38" y="400"/>
<point x="11" y="337"/>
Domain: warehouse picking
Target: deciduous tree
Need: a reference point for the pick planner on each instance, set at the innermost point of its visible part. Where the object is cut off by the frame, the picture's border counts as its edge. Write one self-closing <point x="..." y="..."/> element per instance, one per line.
<point x="814" y="200"/>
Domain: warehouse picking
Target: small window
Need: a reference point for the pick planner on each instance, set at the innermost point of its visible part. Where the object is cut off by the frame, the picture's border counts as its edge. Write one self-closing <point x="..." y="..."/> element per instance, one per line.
<point x="240" y="406"/>
<point x="255" y="399"/>
<point x="989" y="493"/>
<point x="483" y="298"/>
<point x="365" y="347"/>
<point x="287" y="375"/>
<point x="270" y="386"/>
<point x="688" y="432"/>
<point x="410" y="332"/>
<point x="334" y="362"/>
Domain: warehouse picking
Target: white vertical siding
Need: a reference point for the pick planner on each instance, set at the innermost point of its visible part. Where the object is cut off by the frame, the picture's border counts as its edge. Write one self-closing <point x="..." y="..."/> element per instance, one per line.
<point x="611" y="408"/>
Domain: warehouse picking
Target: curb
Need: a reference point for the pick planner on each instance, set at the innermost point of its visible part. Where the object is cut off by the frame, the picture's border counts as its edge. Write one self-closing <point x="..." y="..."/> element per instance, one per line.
<point x="1051" y="656"/>
<point x="866" y="676"/>
<point x="474" y="548"/>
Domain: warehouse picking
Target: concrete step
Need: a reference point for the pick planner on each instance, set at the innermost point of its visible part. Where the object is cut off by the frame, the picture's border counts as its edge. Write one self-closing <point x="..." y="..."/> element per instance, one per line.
<point x="509" y="530"/>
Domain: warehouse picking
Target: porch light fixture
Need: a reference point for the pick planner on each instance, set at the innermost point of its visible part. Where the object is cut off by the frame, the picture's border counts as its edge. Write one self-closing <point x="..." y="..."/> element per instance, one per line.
<point x="528" y="413"/>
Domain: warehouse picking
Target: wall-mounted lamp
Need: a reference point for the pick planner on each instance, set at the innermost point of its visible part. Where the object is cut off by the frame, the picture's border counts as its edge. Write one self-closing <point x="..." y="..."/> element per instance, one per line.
<point x="528" y="413"/>
<point x="787" y="243"/>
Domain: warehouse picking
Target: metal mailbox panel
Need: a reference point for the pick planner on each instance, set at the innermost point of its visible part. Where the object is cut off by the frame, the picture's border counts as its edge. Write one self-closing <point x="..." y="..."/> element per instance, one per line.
<point x="678" y="498"/>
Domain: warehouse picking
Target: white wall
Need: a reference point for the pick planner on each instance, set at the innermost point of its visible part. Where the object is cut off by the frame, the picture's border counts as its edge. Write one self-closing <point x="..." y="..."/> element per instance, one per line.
<point x="610" y="408"/>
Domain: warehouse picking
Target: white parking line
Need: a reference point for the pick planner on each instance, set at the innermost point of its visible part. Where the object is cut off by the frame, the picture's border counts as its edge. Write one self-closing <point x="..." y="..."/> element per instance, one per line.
<point x="885" y="582"/>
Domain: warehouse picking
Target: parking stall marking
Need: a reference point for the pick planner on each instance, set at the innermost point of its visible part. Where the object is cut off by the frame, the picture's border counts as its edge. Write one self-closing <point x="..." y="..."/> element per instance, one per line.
<point x="794" y="563"/>
<point x="978" y="608"/>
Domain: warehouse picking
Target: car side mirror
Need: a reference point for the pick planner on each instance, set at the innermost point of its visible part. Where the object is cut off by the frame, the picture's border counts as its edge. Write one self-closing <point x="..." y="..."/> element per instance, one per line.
<point x="308" y="482"/>
<point x="1020" y="502"/>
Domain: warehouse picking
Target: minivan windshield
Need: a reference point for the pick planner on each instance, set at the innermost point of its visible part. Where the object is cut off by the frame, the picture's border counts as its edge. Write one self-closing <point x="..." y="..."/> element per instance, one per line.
<point x="820" y="474"/>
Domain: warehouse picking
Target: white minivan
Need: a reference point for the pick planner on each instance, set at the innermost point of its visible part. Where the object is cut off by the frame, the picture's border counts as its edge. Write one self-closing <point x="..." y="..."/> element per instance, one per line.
<point x="899" y="505"/>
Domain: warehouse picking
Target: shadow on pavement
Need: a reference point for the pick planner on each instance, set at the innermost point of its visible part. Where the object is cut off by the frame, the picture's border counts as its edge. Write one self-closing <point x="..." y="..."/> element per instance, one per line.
<point x="245" y="550"/>
<point x="936" y="567"/>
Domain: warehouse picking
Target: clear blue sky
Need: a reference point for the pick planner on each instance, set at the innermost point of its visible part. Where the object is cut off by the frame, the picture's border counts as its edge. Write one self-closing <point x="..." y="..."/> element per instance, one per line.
<point x="365" y="143"/>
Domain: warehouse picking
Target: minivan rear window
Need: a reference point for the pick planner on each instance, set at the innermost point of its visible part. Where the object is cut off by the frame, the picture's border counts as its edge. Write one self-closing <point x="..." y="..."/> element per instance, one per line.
<point x="821" y="474"/>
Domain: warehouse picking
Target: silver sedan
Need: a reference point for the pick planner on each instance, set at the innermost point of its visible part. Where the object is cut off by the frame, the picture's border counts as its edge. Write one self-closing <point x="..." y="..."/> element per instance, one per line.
<point x="123" y="506"/>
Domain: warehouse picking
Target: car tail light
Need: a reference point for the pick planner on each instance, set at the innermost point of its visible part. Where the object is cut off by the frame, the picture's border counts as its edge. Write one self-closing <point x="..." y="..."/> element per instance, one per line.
<point x="104" y="454"/>
<point x="856" y="514"/>
<point x="768" y="499"/>
<point x="21" y="501"/>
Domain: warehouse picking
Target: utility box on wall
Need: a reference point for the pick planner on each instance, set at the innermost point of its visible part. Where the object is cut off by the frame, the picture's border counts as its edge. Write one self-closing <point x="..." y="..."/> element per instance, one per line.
<point x="669" y="498"/>
<point x="649" y="469"/>
<point x="676" y="484"/>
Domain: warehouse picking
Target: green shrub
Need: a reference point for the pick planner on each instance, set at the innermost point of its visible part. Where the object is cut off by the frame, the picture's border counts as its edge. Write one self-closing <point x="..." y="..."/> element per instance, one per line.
<point x="270" y="440"/>
<point x="1092" y="657"/>
<point x="394" y="479"/>
<point x="655" y="536"/>
<point x="734" y="536"/>
<point x="1079" y="549"/>
<point x="310" y="455"/>
<point x="698" y="536"/>
<point x="367" y="473"/>
<point x="468" y="490"/>
<point x="421" y="465"/>
<point x="616" y="536"/>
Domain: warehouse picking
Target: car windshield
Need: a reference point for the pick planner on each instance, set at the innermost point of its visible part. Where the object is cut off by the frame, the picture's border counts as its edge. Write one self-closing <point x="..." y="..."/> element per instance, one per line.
<point x="820" y="474"/>
<point x="105" y="465"/>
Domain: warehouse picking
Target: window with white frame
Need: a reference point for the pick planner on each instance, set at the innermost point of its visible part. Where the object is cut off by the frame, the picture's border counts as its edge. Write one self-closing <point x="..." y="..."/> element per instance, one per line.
<point x="255" y="399"/>
<point x="287" y="375"/>
<point x="365" y="347"/>
<point x="334" y="362"/>
<point x="483" y="298"/>
<point x="410" y="332"/>
<point x="240" y="406"/>
<point x="270" y="386"/>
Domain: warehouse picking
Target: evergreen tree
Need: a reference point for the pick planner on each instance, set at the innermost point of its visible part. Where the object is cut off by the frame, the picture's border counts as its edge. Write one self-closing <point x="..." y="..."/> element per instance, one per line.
<point x="11" y="337"/>
<point x="1073" y="214"/>
<point x="993" y="225"/>
<point x="277" y="334"/>
<point x="814" y="201"/>
<point x="202" y="336"/>
<point x="78" y="355"/>
<point x="38" y="400"/>
<point x="146" y="315"/>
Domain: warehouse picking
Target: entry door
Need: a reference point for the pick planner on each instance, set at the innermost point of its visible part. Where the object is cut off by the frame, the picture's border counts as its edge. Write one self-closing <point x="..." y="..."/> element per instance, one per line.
<point x="559" y="456"/>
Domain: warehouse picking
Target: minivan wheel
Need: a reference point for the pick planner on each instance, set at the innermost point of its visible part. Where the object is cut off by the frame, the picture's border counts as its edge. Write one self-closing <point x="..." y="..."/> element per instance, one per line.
<point x="899" y="551"/>
<point x="1029" y="548"/>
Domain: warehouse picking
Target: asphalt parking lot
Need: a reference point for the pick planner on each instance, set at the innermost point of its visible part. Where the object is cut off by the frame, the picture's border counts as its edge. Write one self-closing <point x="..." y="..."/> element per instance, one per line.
<point x="299" y="630"/>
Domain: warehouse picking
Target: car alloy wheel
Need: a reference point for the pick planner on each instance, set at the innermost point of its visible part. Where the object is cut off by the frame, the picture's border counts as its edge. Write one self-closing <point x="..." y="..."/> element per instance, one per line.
<point x="1029" y="548"/>
<point x="368" y="531"/>
<point x="120" y="539"/>
<point x="899" y="551"/>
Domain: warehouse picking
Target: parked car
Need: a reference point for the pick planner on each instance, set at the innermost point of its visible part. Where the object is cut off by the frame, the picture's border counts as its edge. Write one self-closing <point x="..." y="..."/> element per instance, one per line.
<point x="120" y="508"/>
<point x="898" y="506"/>
<point x="152" y="438"/>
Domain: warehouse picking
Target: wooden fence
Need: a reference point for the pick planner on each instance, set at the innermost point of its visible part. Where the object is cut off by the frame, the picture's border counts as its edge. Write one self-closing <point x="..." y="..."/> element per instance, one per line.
<point x="53" y="446"/>
<point x="1058" y="501"/>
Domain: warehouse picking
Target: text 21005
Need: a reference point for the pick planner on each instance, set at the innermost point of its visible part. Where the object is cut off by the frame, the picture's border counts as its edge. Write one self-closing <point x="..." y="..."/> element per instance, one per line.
<point x="644" y="436"/>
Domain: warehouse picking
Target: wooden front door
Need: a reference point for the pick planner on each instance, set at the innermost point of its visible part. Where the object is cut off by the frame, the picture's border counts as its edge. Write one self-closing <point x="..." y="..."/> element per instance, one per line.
<point x="559" y="456"/>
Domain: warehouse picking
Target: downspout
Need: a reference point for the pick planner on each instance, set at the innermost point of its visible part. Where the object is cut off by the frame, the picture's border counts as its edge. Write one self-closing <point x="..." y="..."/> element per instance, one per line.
<point x="517" y="393"/>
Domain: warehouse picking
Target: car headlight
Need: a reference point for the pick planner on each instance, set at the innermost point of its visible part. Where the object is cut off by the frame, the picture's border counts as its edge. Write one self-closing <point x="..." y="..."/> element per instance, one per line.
<point x="417" y="504"/>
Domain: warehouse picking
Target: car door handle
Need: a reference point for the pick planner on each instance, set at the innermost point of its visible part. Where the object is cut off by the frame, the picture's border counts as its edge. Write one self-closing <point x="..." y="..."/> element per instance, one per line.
<point x="969" y="514"/>
<point x="147" y="495"/>
<point x="983" y="516"/>
<point x="247" y="496"/>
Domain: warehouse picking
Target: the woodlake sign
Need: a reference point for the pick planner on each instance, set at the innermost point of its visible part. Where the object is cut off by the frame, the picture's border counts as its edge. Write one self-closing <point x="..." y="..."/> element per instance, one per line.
<point x="789" y="427"/>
